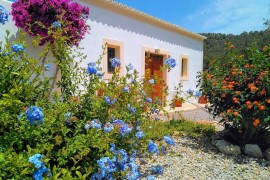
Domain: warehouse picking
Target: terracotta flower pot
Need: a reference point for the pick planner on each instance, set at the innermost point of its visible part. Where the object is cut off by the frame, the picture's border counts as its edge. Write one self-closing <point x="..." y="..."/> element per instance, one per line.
<point x="178" y="103"/>
<point x="202" y="100"/>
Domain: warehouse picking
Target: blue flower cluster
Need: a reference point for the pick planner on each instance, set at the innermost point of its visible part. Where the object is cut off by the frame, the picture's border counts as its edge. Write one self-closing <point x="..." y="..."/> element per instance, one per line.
<point x="106" y="168"/>
<point x="108" y="127"/>
<point x="157" y="169"/>
<point x="190" y="92"/>
<point x="3" y="15"/>
<point x="96" y="124"/>
<point x="115" y="62"/>
<point x="123" y="128"/>
<point x="170" y="62"/>
<point x="149" y="100"/>
<point x="154" y="110"/>
<point x="139" y="134"/>
<point x="91" y="69"/>
<point x="150" y="177"/>
<point x="35" y="115"/>
<point x="109" y="101"/>
<point x="126" y="89"/>
<point x="132" y="110"/>
<point x="17" y="48"/>
<point x="152" y="147"/>
<point x="56" y="24"/>
<point x="169" y="140"/>
<point x="121" y="161"/>
<point x="198" y="94"/>
<point x="130" y="67"/>
<point x="40" y="167"/>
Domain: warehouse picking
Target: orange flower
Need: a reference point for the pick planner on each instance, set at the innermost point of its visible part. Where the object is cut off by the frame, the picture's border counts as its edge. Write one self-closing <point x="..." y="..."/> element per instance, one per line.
<point x="235" y="113"/>
<point x="224" y="95"/>
<point x="240" y="73"/>
<point x="231" y="46"/>
<point x="255" y="103"/>
<point x="248" y="103"/>
<point x="249" y="106"/>
<point x="252" y="87"/>
<point x="229" y="111"/>
<point x="263" y="92"/>
<point x="265" y="48"/>
<point x="235" y="100"/>
<point x="256" y="122"/>
<point x="208" y="76"/>
<point x="247" y="66"/>
<point x="233" y="73"/>
<point x="268" y="101"/>
<point x="224" y="87"/>
<point x="261" y="108"/>
<point x="230" y="86"/>
<point x="237" y="92"/>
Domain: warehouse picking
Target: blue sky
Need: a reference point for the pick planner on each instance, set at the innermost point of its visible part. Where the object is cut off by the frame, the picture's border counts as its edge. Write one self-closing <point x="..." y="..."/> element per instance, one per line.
<point x="219" y="16"/>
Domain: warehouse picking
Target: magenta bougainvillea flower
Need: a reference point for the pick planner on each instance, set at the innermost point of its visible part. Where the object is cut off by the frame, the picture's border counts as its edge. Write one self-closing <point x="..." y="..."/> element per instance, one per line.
<point x="36" y="16"/>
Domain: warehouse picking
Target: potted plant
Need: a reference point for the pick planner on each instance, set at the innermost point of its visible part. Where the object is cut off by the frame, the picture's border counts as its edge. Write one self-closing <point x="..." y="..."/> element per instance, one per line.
<point x="177" y="100"/>
<point x="202" y="99"/>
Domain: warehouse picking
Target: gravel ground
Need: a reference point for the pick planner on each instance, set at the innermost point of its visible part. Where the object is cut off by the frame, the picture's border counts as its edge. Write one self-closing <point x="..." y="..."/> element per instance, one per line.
<point x="198" y="159"/>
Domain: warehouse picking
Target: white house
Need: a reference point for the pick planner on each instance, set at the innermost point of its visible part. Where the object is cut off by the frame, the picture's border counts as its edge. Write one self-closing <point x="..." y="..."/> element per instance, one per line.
<point x="131" y="35"/>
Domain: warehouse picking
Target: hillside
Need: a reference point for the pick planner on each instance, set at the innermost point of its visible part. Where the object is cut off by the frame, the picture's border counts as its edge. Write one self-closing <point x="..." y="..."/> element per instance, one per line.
<point x="214" y="44"/>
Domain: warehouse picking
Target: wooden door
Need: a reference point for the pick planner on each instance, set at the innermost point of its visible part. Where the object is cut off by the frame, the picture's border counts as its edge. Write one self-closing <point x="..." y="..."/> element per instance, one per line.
<point x="153" y="65"/>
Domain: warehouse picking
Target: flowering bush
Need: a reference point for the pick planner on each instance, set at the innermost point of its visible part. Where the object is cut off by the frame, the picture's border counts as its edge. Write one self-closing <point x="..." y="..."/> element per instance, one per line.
<point x="3" y="15"/>
<point x="78" y="134"/>
<point x="89" y="135"/>
<point x="238" y="89"/>
<point x="36" y="16"/>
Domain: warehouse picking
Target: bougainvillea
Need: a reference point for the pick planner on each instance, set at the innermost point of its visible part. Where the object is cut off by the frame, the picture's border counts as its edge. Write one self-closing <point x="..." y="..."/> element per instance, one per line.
<point x="37" y="16"/>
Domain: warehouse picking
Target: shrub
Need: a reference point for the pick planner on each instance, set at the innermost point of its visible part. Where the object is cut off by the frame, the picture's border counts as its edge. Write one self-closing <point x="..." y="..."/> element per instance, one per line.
<point x="238" y="89"/>
<point x="78" y="133"/>
<point x="36" y="16"/>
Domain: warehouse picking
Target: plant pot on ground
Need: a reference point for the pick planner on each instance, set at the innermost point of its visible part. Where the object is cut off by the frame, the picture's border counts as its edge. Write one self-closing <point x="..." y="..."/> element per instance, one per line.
<point x="202" y="100"/>
<point x="178" y="101"/>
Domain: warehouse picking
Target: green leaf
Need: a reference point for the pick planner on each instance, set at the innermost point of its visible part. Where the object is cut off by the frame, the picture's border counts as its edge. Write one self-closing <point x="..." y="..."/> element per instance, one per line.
<point x="79" y="174"/>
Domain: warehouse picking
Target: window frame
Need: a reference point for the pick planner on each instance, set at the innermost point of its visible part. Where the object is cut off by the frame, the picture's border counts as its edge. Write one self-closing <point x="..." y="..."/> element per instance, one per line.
<point x="182" y="76"/>
<point x="119" y="53"/>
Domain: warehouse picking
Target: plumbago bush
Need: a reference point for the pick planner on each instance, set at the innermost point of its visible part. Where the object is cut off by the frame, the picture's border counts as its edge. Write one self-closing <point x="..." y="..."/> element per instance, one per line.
<point x="238" y="89"/>
<point x="91" y="129"/>
<point x="91" y="135"/>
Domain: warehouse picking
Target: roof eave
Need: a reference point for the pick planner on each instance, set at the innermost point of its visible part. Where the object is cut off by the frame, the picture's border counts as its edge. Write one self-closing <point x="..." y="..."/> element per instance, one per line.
<point x="138" y="15"/>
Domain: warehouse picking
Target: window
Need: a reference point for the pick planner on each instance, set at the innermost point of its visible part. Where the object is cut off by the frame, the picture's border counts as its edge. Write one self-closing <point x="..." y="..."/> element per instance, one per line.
<point x="184" y="68"/>
<point x="114" y="49"/>
<point x="110" y="56"/>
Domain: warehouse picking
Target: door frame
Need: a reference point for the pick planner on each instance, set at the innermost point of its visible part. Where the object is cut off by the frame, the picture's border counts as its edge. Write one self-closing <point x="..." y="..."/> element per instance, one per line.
<point x="160" y="52"/>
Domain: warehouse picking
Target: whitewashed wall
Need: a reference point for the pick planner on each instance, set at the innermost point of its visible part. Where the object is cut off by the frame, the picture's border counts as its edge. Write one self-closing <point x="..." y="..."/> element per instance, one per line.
<point x="134" y="34"/>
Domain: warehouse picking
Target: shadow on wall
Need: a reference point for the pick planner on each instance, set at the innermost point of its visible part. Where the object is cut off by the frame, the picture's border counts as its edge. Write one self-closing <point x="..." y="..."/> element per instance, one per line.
<point x="128" y="24"/>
